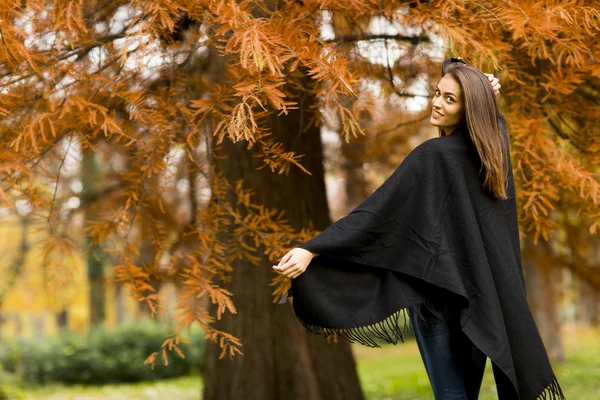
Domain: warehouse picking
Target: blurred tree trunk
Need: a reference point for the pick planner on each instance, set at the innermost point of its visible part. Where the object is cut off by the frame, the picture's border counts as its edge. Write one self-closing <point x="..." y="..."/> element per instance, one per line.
<point x="62" y="319"/>
<point x="356" y="185"/>
<point x="281" y="360"/>
<point x="18" y="324"/>
<point x="589" y="306"/>
<point x="119" y="303"/>
<point x="543" y="297"/>
<point x="14" y="271"/>
<point x="583" y="261"/>
<point x="38" y="321"/>
<point x="146" y="258"/>
<point x="90" y="172"/>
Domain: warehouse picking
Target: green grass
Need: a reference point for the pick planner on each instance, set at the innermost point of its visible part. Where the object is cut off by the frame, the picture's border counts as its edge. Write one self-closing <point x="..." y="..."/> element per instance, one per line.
<point x="183" y="388"/>
<point x="579" y="376"/>
<point x="388" y="373"/>
<point x="397" y="372"/>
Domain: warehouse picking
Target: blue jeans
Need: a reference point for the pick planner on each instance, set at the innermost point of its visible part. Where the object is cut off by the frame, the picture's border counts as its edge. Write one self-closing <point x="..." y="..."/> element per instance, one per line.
<point x="455" y="366"/>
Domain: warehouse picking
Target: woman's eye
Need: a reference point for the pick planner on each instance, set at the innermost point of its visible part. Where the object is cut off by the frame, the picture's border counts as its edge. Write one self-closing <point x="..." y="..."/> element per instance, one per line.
<point x="450" y="99"/>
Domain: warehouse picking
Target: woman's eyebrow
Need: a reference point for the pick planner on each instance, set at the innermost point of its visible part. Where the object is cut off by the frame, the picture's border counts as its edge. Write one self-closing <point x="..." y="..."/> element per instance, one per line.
<point x="437" y="88"/>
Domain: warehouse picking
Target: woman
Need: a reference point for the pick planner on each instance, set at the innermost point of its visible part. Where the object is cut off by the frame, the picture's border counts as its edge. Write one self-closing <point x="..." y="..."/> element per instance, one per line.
<point x="439" y="240"/>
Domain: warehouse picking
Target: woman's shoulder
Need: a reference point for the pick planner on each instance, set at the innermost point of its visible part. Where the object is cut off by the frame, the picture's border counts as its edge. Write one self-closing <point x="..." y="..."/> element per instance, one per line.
<point x="441" y="147"/>
<point x="438" y="153"/>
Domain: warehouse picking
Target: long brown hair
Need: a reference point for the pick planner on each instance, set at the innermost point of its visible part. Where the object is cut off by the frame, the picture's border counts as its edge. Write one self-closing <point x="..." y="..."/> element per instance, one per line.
<point x="481" y="117"/>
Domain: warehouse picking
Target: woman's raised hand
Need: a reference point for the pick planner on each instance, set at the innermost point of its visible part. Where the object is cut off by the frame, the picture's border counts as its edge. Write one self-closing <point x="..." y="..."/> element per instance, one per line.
<point x="495" y="83"/>
<point x="294" y="262"/>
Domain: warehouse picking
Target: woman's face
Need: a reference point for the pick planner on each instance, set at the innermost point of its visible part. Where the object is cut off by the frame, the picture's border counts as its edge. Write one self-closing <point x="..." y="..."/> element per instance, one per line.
<point x="447" y="108"/>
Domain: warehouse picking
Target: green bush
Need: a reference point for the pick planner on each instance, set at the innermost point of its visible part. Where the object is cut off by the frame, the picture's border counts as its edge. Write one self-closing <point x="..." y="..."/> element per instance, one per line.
<point x="9" y="387"/>
<point x="100" y="357"/>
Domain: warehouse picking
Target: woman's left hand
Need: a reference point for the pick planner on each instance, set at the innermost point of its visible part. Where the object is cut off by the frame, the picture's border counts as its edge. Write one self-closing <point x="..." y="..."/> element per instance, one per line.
<point x="495" y="83"/>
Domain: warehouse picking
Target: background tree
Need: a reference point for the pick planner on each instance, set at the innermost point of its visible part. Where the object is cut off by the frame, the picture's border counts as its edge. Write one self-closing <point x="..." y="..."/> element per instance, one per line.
<point x="90" y="175"/>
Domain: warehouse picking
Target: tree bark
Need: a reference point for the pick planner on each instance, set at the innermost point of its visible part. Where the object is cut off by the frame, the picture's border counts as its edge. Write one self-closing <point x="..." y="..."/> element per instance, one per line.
<point x="589" y="307"/>
<point x="62" y="319"/>
<point x="541" y="281"/>
<point x="146" y="258"/>
<point x="281" y="359"/>
<point x="90" y="172"/>
<point x="119" y="303"/>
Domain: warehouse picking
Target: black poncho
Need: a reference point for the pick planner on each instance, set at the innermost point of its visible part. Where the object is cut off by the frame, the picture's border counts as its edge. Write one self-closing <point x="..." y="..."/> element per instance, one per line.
<point x="429" y="235"/>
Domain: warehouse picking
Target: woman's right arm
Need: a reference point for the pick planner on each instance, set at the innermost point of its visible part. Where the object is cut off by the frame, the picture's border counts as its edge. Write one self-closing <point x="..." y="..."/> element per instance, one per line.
<point x="294" y="262"/>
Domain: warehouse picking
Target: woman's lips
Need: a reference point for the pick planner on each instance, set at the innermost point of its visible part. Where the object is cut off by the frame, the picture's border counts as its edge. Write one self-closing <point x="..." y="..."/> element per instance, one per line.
<point x="436" y="114"/>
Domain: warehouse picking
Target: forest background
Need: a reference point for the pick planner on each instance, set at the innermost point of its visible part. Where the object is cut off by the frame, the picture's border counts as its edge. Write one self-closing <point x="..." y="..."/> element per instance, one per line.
<point x="158" y="157"/>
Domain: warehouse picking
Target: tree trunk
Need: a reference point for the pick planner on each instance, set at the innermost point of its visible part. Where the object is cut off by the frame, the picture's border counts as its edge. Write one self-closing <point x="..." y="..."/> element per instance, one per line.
<point x="356" y="185"/>
<point x="62" y="319"/>
<point x="542" y="295"/>
<point x="281" y="359"/>
<point x="589" y="306"/>
<point x="119" y="303"/>
<point x="146" y="258"/>
<point x="90" y="172"/>
<point x="3" y="320"/>
<point x="18" y="324"/>
<point x="38" y="325"/>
